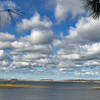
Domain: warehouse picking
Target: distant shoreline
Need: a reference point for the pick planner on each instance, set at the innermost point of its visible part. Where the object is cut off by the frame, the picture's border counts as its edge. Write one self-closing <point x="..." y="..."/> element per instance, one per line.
<point x="14" y="83"/>
<point x="81" y="81"/>
<point x="45" y="80"/>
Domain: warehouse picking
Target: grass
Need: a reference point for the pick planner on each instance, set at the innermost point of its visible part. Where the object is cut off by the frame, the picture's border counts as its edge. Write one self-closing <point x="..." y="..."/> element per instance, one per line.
<point x="4" y="86"/>
<point x="96" y="88"/>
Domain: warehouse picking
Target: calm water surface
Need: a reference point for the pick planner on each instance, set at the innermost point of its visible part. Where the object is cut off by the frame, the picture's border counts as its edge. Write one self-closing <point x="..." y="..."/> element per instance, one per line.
<point x="57" y="91"/>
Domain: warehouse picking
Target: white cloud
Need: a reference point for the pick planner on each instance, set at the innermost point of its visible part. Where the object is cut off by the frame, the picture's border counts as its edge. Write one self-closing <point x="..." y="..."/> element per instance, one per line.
<point x="70" y="56"/>
<point x="5" y="45"/>
<point x="6" y="37"/>
<point x="33" y="49"/>
<point x="4" y="56"/>
<point x="34" y="23"/>
<point x="92" y="63"/>
<point x="5" y="40"/>
<point x="81" y="47"/>
<point x="41" y="37"/>
<point x="1" y="54"/>
<point x="31" y="52"/>
<point x="63" y="7"/>
<point x="81" y="56"/>
<point x="86" y="29"/>
<point x="92" y="49"/>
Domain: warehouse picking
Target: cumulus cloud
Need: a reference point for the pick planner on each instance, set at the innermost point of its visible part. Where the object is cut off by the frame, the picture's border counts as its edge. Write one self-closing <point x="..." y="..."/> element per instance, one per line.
<point x="23" y="54"/>
<point x="1" y="54"/>
<point x="4" y="56"/>
<point x="27" y="52"/>
<point x="6" y="37"/>
<point x="41" y="37"/>
<point x="78" y="49"/>
<point x="30" y="50"/>
<point x="74" y="51"/>
<point x="81" y="47"/>
<point x="86" y="29"/>
<point x="5" y="40"/>
<point x="63" y="7"/>
<point x="5" y="45"/>
<point x="34" y="23"/>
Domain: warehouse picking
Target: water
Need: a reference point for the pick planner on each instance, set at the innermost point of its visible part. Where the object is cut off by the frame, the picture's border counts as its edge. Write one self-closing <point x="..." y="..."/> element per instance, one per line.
<point x="57" y="91"/>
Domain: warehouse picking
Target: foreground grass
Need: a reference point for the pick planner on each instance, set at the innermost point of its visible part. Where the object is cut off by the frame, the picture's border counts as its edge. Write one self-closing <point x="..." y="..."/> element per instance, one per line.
<point x="19" y="86"/>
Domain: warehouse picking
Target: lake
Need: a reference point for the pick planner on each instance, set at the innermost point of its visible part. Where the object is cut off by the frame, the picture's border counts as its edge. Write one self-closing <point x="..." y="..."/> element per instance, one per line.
<point x="56" y="91"/>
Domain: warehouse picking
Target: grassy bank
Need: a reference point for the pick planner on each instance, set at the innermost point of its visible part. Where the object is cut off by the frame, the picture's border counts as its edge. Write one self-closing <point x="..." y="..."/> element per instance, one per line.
<point x="3" y="86"/>
<point x="96" y="88"/>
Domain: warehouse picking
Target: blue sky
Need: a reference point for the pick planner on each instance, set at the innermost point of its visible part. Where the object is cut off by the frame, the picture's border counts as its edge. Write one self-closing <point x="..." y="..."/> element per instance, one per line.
<point x="54" y="39"/>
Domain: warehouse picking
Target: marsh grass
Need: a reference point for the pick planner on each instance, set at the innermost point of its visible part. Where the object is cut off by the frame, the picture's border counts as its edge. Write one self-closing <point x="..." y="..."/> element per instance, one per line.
<point x="96" y="88"/>
<point x="4" y="86"/>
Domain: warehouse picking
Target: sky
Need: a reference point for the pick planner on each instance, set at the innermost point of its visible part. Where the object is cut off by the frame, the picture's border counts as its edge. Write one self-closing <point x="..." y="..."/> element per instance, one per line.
<point x="52" y="39"/>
